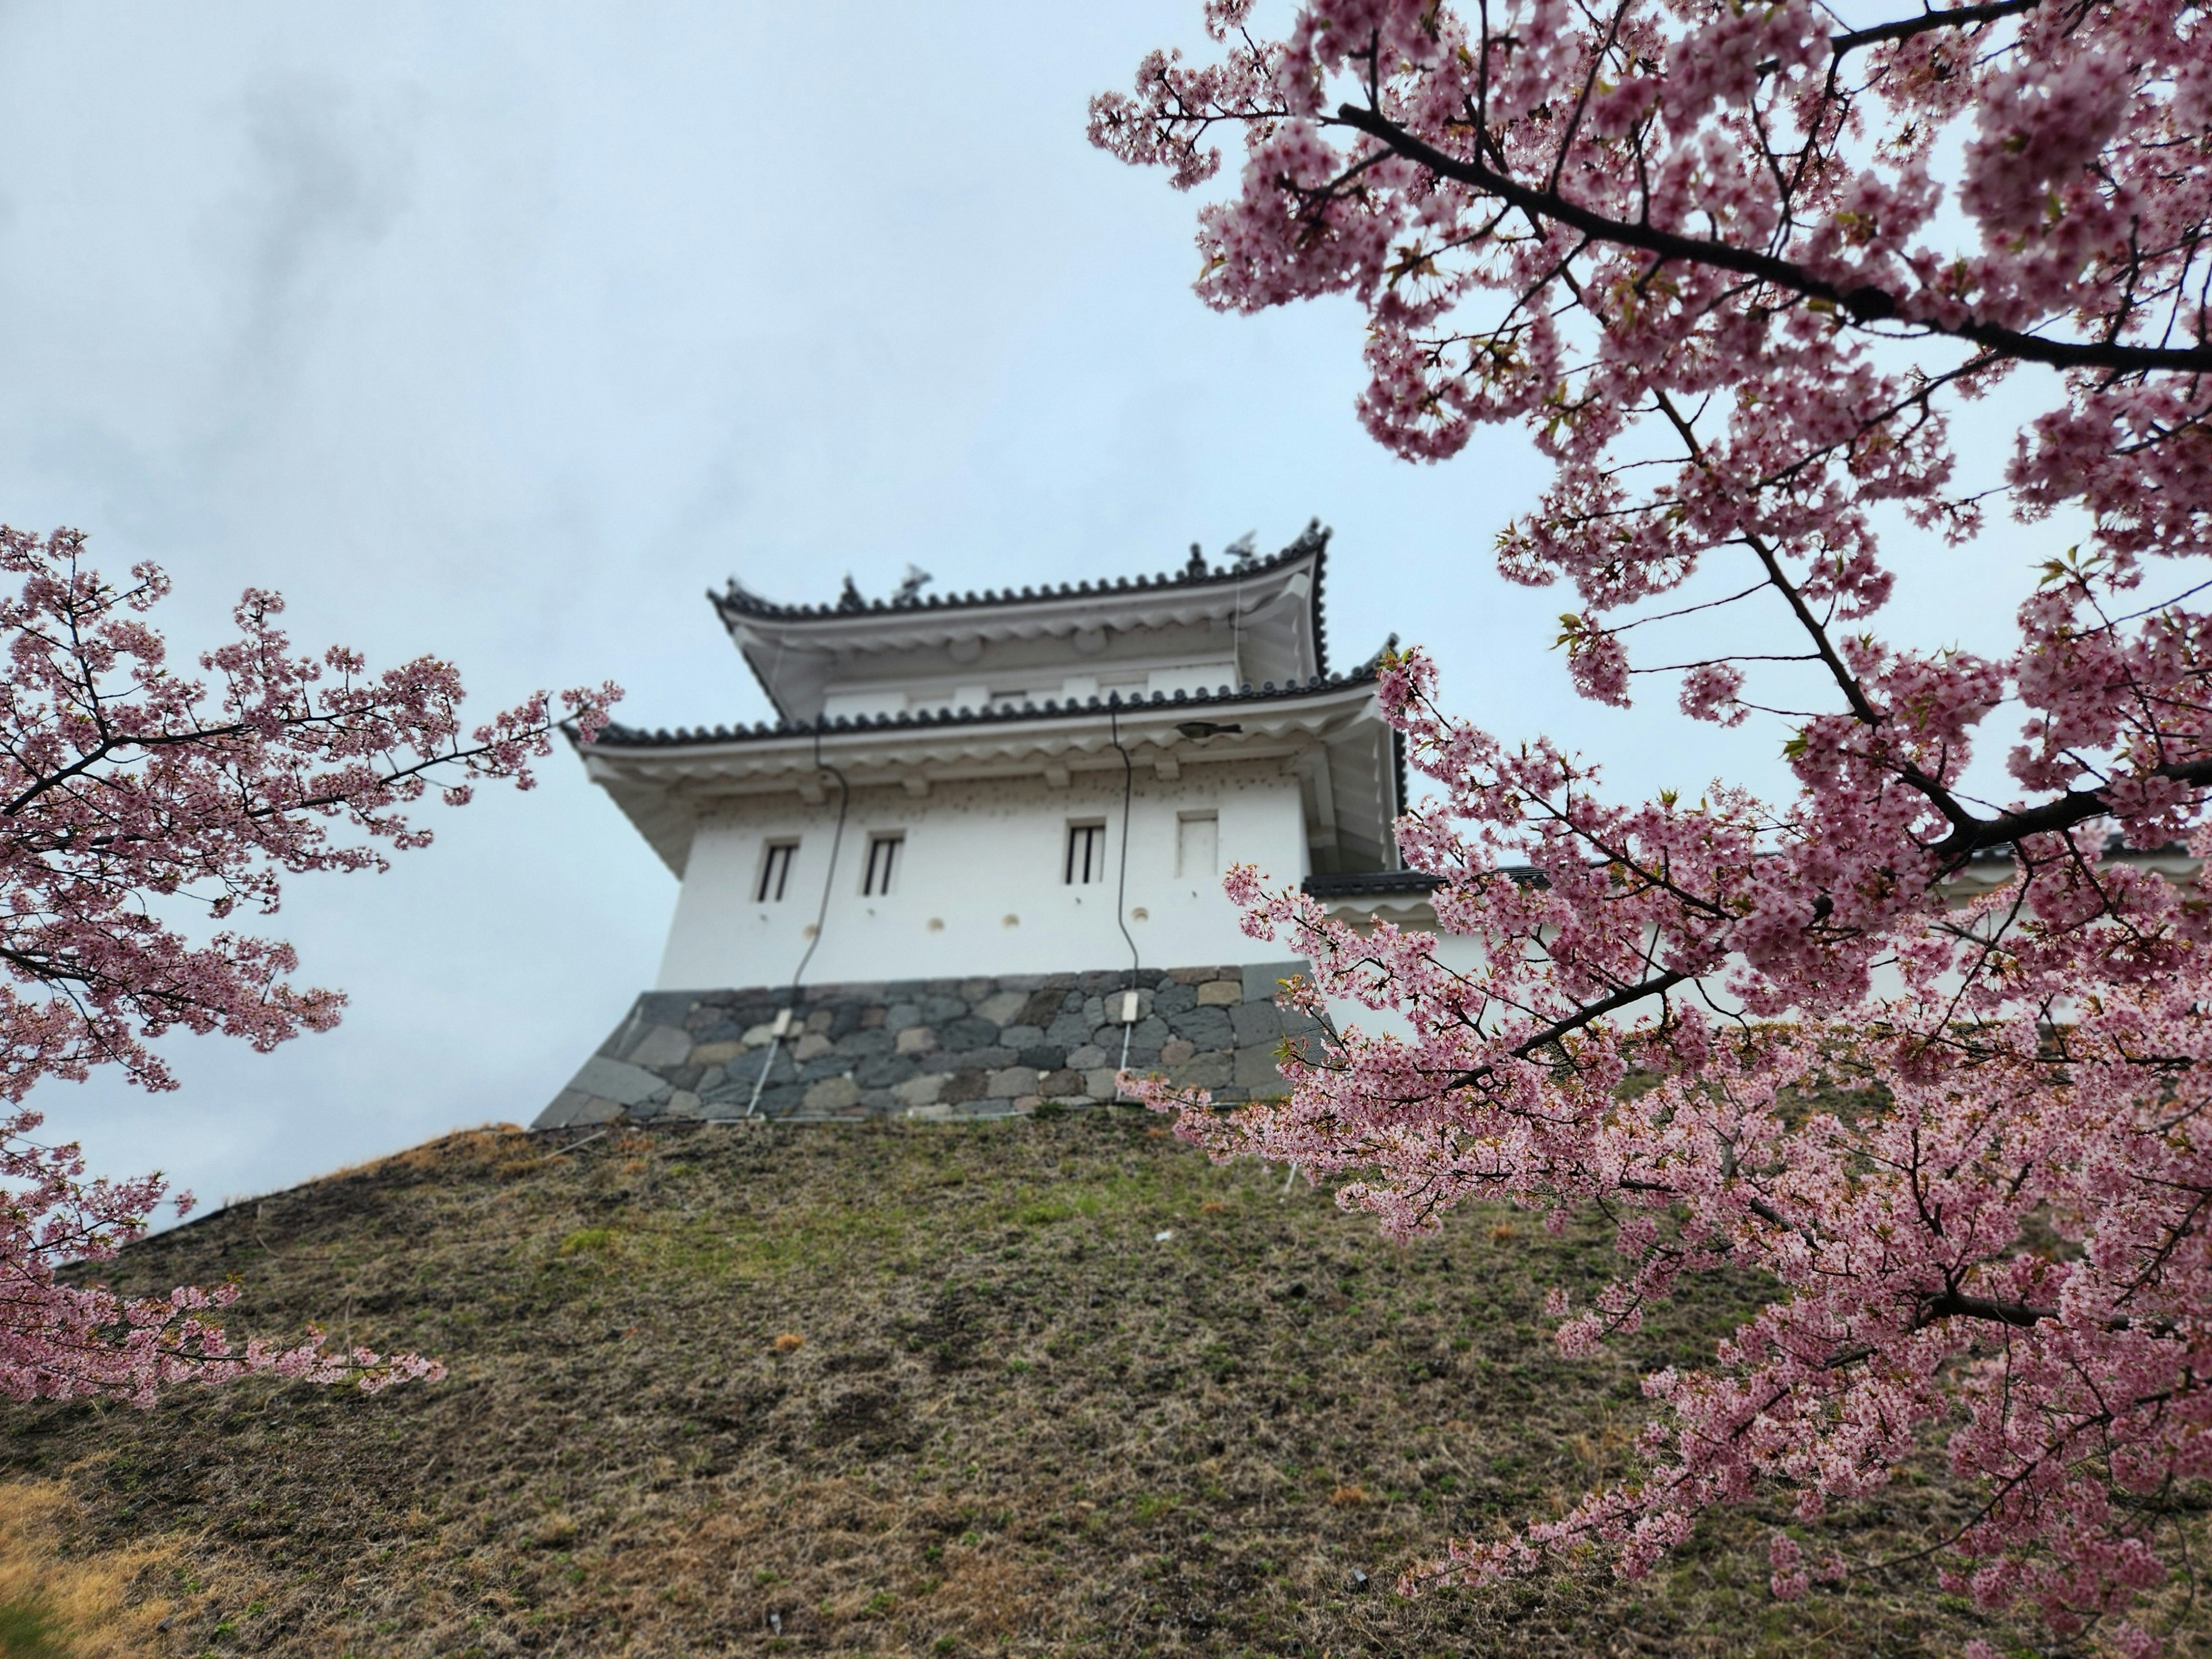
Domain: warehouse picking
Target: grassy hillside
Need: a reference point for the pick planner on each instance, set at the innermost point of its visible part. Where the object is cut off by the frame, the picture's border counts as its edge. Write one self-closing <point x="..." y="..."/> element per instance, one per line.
<point x="896" y="1389"/>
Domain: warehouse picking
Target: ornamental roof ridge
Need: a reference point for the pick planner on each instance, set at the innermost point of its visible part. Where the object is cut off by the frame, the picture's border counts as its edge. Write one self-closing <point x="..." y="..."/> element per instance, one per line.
<point x="617" y="736"/>
<point x="738" y="602"/>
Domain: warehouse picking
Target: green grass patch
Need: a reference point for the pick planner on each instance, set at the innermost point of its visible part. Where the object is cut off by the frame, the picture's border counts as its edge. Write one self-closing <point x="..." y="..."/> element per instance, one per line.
<point x="28" y="1630"/>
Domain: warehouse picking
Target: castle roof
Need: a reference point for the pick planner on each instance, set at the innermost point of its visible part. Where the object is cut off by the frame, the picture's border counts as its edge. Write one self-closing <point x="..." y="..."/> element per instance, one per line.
<point x="660" y="778"/>
<point x="738" y="602"/>
<point x="617" y="735"/>
<point x="1204" y="668"/>
<point x="1272" y="607"/>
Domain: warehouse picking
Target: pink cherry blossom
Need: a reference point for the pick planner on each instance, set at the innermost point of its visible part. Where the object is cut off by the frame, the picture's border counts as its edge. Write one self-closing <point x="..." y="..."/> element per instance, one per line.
<point x="142" y="811"/>
<point x="1704" y="255"/>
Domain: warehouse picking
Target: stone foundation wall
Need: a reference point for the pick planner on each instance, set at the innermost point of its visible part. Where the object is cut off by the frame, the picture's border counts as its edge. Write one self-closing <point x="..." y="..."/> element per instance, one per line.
<point x="932" y="1048"/>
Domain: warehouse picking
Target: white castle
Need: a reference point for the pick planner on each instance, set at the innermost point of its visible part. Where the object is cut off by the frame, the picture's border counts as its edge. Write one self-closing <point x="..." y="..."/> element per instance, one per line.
<point x="1000" y="789"/>
<point x="976" y="864"/>
<point x="955" y="783"/>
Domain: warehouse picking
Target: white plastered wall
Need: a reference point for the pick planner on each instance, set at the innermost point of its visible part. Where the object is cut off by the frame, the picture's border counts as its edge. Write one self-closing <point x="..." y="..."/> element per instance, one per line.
<point x="980" y="886"/>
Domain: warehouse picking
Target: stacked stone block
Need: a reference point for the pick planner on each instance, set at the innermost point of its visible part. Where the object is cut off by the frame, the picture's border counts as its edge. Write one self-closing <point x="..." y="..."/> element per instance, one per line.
<point x="933" y="1048"/>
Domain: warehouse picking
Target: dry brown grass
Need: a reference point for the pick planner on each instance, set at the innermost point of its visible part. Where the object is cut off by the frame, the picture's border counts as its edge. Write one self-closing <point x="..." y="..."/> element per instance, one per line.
<point x="1016" y="1423"/>
<point x="107" y="1603"/>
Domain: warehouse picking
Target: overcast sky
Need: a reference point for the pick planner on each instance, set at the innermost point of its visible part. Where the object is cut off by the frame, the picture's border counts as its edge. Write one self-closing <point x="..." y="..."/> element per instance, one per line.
<point x="503" y="330"/>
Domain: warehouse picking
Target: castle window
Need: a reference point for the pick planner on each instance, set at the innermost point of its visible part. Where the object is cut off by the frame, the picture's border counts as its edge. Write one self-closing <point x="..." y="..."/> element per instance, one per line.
<point x="883" y="864"/>
<point x="1198" y="845"/>
<point x="775" y="871"/>
<point x="1087" y="854"/>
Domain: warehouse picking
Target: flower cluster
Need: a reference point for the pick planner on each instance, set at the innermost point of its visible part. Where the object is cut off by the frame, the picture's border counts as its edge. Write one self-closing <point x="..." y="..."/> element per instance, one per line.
<point x="141" y="810"/>
<point x="1936" y="1065"/>
<point x="62" y="1340"/>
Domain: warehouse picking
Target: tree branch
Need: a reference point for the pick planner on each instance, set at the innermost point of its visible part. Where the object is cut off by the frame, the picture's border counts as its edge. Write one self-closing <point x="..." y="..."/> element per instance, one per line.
<point x="1906" y="28"/>
<point x="1625" y="997"/>
<point x="1864" y="304"/>
<point x="2060" y="813"/>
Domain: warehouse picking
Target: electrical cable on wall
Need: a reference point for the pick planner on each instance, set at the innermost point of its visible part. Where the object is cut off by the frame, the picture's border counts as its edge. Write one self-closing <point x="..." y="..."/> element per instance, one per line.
<point x="1122" y="881"/>
<point x="836" y="839"/>
<point x="774" y="1041"/>
<point x="822" y="914"/>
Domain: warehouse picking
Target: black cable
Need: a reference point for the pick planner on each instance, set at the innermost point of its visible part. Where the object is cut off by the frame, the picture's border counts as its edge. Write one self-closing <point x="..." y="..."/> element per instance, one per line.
<point x="1122" y="883"/>
<point x="821" y="915"/>
<point x="836" y="839"/>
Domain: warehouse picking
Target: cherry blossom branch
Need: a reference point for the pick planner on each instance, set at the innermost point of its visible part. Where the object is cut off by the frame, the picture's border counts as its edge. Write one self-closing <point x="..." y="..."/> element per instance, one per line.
<point x="1865" y="302"/>
<point x="126" y="785"/>
<point x="1906" y="28"/>
<point x="1786" y="1038"/>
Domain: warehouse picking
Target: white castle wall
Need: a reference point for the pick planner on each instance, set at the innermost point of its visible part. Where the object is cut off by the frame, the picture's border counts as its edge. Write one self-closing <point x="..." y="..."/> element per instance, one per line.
<point x="980" y="886"/>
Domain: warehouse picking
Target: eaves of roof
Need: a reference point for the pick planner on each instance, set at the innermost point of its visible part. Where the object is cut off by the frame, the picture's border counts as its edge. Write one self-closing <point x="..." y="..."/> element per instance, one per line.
<point x="1398" y="762"/>
<point x="737" y="602"/>
<point x="1362" y="883"/>
<point x="628" y="737"/>
<point x="1369" y="884"/>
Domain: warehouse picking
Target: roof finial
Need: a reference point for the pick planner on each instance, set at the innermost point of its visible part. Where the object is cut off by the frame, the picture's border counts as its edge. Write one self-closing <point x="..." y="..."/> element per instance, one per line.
<point x="850" y="599"/>
<point x="1196" y="567"/>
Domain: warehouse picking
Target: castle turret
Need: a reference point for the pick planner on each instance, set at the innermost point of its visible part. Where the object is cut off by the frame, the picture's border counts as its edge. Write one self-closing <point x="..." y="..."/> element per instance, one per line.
<point x="1001" y="792"/>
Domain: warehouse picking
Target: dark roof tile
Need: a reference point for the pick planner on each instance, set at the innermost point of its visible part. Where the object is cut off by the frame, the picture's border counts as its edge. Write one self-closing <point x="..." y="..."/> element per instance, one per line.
<point x="617" y="735"/>
<point x="1348" y="884"/>
<point x="738" y="601"/>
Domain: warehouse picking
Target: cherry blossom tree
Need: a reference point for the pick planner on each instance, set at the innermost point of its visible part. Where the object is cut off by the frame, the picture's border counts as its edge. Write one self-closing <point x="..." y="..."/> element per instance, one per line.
<point x="142" y="811"/>
<point x="1735" y="269"/>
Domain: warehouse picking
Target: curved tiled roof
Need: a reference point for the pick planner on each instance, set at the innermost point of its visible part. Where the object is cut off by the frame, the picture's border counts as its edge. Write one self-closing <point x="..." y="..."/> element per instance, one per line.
<point x="738" y="601"/>
<point x="630" y="737"/>
<point x="1373" y="884"/>
<point x="1348" y="884"/>
<point x="1361" y="883"/>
